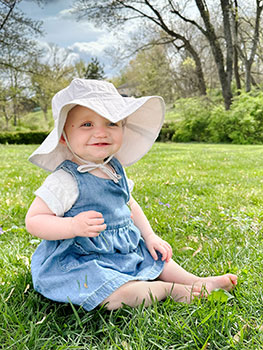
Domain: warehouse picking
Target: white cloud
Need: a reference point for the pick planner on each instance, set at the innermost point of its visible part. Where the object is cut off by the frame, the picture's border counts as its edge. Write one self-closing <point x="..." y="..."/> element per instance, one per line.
<point x="62" y="54"/>
<point x="94" y="48"/>
<point x="66" y="14"/>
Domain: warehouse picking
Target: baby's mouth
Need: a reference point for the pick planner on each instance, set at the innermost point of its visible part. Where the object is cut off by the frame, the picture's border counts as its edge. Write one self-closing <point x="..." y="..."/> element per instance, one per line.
<point x="100" y="144"/>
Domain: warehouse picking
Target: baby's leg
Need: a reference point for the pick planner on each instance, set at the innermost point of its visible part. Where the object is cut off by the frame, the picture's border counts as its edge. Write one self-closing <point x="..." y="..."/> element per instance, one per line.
<point x="135" y="292"/>
<point x="172" y="272"/>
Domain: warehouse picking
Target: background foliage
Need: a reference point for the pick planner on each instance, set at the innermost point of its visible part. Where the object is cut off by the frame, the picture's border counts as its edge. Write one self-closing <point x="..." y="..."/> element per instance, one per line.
<point x="202" y="51"/>
<point x="192" y="119"/>
<point x="202" y="120"/>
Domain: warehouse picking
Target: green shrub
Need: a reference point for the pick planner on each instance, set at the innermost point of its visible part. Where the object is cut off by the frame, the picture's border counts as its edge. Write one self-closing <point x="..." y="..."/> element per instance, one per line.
<point x="29" y="137"/>
<point x="198" y="119"/>
<point x="167" y="132"/>
<point x="194" y="129"/>
<point x="219" y="123"/>
<point x="242" y="124"/>
<point x="246" y="118"/>
<point x="195" y="114"/>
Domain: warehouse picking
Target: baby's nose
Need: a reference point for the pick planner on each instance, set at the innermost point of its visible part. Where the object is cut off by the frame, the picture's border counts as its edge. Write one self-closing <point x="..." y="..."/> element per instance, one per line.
<point x="100" y="131"/>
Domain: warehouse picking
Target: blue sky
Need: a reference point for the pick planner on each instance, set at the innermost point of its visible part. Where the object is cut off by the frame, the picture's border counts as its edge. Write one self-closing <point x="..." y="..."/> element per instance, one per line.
<point x="61" y="28"/>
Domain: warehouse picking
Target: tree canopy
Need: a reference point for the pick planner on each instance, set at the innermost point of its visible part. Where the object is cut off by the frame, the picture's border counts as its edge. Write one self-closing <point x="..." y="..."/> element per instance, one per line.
<point x="224" y="42"/>
<point x="175" y="49"/>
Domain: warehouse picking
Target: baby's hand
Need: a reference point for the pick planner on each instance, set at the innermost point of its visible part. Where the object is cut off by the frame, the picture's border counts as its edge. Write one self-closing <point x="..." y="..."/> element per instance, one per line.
<point x="88" y="224"/>
<point x="155" y="243"/>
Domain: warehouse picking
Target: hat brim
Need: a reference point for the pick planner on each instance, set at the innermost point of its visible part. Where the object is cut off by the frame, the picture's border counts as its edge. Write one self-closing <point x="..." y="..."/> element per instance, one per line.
<point x="144" y="118"/>
<point x="141" y="130"/>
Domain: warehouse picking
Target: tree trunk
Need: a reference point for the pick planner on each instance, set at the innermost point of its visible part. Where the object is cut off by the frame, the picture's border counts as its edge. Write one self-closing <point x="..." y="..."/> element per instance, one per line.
<point x="14" y="112"/>
<point x="200" y="80"/>
<point x="247" y="76"/>
<point x="44" y="108"/>
<point x="45" y="114"/>
<point x="236" y="70"/>
<point x="249" y="61"/>
<point x="253" y="82"/>
<point x="6" y="118"/>
<point x="235" y="45"/>
<point x="225" y="74"/>
<point x="198" y="70"/>
<point x="227" y="95"/>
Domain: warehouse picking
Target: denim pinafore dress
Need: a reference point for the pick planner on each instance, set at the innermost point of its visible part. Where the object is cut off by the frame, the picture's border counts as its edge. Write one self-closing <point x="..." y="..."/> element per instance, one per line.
<point x="84" y="270"/>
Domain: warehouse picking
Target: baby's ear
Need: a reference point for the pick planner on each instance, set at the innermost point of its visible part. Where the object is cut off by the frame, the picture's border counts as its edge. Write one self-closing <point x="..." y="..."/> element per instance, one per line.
<point x="62" y="140"/>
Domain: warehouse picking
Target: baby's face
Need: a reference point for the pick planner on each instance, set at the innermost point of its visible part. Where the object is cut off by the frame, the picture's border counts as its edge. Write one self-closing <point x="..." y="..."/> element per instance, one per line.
<point x="91" y="136"/>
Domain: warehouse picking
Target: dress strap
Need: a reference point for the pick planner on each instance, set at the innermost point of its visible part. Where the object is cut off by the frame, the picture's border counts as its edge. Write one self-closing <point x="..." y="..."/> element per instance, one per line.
<point x="89" y="166"/>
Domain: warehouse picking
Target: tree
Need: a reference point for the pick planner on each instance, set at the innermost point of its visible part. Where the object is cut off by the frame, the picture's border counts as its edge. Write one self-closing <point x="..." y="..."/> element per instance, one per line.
<point x="5" y="105"/>
<point x="165" y="15"/>
<point x="247" y="38"/>
<point x="16" y="35"/>
<point x="235" y="44"/>
<point x="94" y="70"/>
<point x="80" y="68"/>
<point x="12" y="98"/>
<point x="224" y="64"/>
<point x="150" y="73"/>
<point x="20" y="63"/>
<point x="15" y="83"/>
<point x="4" y="16"/>
<point x="50" y="76"/>
<point x="7" y="8"/>
<point x="17" y="49"/>
<point x="116" y="12"/>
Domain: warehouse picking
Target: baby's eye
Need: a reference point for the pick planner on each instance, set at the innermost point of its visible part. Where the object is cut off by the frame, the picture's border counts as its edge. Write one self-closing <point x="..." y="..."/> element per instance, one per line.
<point x="113" y="124"/>
<point x="87" y="124"/>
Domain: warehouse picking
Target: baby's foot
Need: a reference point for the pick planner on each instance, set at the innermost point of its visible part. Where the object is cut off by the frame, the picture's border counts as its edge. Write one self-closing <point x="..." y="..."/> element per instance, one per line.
<point x="186" y="293"/>
<point x="226" y="282"/>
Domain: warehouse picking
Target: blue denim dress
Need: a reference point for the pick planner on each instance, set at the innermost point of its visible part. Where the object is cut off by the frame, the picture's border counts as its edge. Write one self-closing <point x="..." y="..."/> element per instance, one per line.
<point x="83" y="270"/>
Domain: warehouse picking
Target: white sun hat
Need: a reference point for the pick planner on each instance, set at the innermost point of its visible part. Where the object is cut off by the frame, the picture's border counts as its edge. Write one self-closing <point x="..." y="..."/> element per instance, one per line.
<point x="143" y="117"/>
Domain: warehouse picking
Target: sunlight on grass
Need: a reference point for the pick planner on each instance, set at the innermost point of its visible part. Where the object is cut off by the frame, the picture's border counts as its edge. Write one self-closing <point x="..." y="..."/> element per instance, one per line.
<point x="206" y="200"/>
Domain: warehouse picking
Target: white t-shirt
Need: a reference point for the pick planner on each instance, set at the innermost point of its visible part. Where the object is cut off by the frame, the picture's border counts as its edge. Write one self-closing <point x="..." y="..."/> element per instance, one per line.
<point x="60" y="191"/>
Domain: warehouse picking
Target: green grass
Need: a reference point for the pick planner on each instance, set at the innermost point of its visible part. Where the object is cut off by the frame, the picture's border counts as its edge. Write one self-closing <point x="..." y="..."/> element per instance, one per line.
<point x="206" y="200"/>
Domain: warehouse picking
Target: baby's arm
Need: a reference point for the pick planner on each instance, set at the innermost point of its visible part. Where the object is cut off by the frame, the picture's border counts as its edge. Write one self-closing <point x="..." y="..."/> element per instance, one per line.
<point x="43" y="223"/>
<point x="153" y="242"/>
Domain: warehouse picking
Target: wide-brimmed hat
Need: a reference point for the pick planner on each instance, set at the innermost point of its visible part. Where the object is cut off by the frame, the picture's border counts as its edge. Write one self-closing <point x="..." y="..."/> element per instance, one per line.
<point x="143" y="116"/>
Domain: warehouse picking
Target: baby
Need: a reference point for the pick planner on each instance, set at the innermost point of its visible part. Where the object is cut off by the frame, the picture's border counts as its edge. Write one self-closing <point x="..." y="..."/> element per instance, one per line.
<point x="98" y="247"/>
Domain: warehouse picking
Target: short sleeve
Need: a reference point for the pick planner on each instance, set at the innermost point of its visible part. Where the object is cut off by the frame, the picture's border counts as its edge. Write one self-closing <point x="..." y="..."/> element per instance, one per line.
<point x="130" y="185"/>
<point x="59" y="191"/>
<point x="129" y="181"/>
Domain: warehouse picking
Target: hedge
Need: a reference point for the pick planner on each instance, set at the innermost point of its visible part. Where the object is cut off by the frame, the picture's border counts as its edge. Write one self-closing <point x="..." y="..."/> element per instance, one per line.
<point x="36" y="137"/>
<point x="21" y="137"/>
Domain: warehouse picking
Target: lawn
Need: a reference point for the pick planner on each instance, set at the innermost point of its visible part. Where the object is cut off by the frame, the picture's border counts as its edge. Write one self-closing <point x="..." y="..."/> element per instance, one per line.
<point x="206" y="200"/>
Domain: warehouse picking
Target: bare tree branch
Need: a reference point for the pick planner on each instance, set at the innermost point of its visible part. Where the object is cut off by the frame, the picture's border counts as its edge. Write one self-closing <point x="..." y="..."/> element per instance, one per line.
<point x="11" y="8"/>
